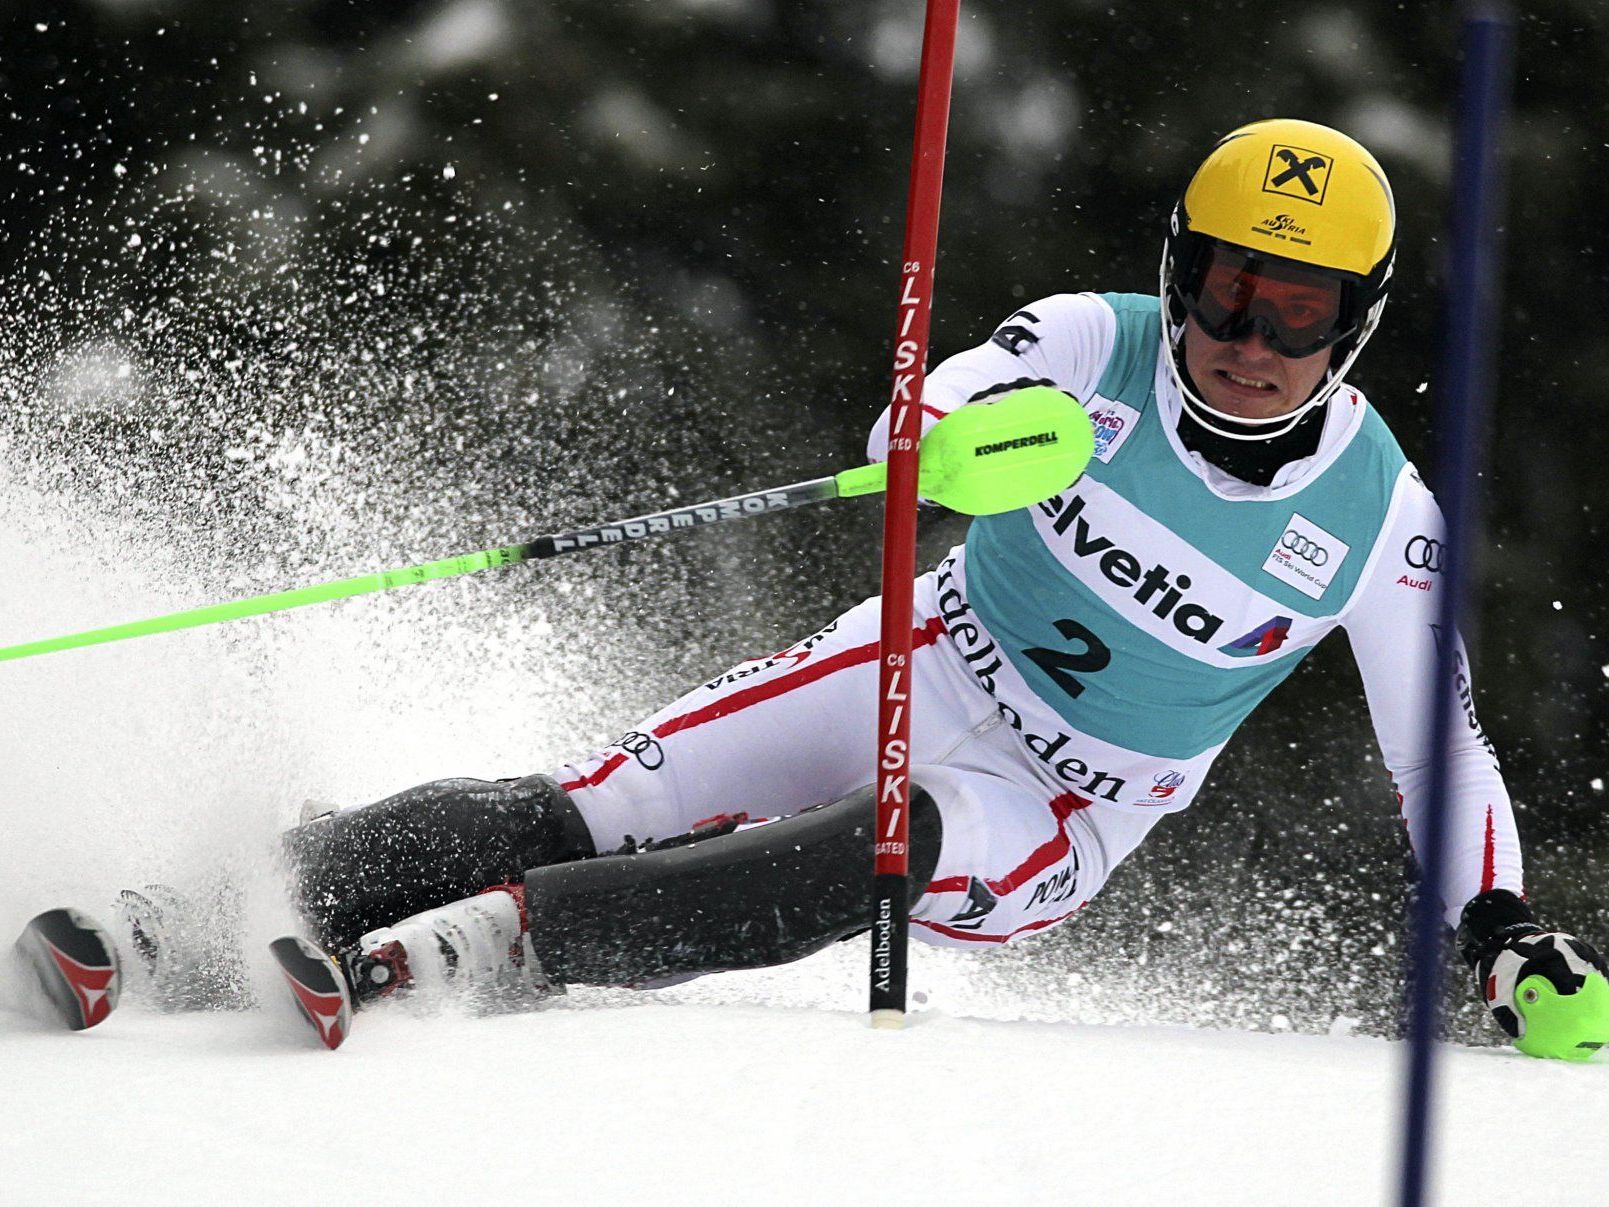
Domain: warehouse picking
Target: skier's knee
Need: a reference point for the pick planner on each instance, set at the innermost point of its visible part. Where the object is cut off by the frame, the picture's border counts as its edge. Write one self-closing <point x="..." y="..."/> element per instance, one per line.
<point x="723" y="899"/>
<point x="851" y="818"/>
<point x="360" y="868"/>
<point x="926" y="827"/>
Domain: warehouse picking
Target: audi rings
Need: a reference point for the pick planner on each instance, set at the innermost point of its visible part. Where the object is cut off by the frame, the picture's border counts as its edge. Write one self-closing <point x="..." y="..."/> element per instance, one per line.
<point x="1303" y="547"/>
<point x="644" y="749"/>
<point x="1424" y="553"/>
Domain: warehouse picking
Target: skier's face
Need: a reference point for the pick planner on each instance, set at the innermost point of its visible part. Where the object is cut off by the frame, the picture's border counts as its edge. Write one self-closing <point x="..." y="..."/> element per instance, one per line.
<point x="1247" y="378"/>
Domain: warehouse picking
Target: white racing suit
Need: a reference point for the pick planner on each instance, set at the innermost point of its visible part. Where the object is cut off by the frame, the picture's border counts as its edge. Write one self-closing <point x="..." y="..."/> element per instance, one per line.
<point x="1079" y="664"/>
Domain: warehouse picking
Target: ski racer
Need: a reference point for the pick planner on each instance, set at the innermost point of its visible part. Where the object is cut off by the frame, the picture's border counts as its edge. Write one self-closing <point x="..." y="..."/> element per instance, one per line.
<point x="1078" y="664"/>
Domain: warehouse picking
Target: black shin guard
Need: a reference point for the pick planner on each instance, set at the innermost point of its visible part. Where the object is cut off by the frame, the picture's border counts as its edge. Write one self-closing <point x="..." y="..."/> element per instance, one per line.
<point x="362" y="868"/>
<point x="761" y="896"/>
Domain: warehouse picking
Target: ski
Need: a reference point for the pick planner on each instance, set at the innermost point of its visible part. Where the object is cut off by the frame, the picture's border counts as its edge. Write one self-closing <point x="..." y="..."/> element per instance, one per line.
<point x="75" y="965"/>
<point x="319" y="985"/>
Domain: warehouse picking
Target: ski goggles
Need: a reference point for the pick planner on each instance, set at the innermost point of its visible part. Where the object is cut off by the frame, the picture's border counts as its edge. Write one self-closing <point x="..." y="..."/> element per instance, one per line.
<point x="1231" y="292"/>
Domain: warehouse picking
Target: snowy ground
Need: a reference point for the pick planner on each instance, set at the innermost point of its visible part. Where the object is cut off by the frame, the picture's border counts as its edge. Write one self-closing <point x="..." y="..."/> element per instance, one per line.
<point x="696" y="1096"/>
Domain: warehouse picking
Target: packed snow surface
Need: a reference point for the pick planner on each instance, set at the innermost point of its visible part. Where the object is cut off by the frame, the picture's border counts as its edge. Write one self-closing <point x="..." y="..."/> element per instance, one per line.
<point x="696" y="1096"/>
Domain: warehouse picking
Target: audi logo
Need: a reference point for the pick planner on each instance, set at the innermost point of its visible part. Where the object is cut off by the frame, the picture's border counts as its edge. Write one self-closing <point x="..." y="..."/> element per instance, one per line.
<point x="1304" y="548"/>
<point x="644" y="749"/>
<point x="1424" y="553"/>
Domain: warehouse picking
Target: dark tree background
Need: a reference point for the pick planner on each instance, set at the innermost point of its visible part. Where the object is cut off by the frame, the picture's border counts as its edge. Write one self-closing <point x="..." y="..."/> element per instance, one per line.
<point x="563" y="255"/>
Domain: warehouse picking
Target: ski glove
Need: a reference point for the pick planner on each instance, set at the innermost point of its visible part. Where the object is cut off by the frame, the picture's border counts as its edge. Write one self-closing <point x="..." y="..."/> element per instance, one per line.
<point x="1546" y="989"/>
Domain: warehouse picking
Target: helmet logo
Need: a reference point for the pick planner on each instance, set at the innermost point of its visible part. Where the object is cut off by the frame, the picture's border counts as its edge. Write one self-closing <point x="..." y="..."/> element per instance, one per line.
<point x="1299" y="173"/>
<point x="1285" y="224"/>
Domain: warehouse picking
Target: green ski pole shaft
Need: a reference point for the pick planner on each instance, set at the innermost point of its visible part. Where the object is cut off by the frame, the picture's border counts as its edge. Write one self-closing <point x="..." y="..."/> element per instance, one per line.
<point x="697" y="515"/>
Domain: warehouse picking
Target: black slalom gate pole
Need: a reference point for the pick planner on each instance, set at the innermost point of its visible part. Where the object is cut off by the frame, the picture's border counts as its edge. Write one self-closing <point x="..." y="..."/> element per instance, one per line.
<point x="1470" y="341"/>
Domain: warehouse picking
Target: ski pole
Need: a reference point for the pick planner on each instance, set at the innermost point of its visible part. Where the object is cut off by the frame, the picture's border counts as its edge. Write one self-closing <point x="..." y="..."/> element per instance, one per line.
<point x="980" y="460"/>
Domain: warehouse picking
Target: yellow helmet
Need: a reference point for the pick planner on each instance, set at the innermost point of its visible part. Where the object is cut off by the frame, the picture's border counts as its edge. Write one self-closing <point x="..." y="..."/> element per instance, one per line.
<point x="1284" y="200"/>
<point x="1297" y="190"/>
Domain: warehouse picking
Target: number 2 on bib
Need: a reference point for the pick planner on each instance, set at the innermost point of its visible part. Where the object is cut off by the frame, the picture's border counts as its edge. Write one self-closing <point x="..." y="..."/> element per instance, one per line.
<point x="1063" y="666"/>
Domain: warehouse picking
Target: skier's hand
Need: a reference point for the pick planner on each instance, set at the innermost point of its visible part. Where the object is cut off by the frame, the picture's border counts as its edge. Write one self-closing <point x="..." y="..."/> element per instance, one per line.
<point x="1546" y="989"/>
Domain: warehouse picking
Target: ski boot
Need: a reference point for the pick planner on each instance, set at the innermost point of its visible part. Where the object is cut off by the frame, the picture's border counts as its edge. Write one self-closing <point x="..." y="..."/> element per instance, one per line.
<point x="474" y="949"/>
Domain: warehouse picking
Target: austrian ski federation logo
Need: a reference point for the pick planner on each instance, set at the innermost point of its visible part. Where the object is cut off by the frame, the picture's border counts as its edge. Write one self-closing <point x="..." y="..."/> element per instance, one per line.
<point x="1306" y="557"/>
<point x="1113" y="422"/>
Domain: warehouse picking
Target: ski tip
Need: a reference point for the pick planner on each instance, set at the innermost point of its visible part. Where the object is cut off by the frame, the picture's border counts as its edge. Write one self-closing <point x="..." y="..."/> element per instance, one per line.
<point x="319" y="987"/>
<point x="75" y="964"/>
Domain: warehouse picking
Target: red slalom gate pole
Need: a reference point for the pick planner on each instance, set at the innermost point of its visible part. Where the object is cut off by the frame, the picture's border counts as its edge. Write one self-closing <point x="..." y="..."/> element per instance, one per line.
<point x="891" y="911"/>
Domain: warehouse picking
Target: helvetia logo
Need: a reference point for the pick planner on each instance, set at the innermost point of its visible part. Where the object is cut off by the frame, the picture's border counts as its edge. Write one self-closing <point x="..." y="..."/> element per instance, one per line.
<point x="1161" y="591"/>
<point x="1264" y="639"/>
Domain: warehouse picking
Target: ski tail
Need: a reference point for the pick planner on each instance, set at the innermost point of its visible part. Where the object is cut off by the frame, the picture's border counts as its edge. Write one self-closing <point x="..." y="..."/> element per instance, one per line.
<point x="319" y="986"/>
<point x="75" y="964"/>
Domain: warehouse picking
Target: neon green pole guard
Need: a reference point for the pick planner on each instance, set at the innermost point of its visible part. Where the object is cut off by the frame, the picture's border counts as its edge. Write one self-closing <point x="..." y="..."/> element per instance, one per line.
<point x="983" y="460"/>
<point x="1562" y="1026"/>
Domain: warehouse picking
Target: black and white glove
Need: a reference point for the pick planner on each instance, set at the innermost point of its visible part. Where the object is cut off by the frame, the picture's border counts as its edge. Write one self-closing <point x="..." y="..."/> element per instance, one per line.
<point x="1502" y="942"/>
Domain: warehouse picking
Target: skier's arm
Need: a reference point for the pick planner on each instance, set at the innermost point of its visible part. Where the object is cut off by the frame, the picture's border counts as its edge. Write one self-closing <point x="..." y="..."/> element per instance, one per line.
<point x="1393" y="625"/>
<point x="1062" y="341"/>
<point x="1545" y="989"/>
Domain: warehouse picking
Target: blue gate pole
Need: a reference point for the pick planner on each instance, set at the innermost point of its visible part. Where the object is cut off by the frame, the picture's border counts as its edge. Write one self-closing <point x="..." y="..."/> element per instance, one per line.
<point x="1469" y="353"/>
